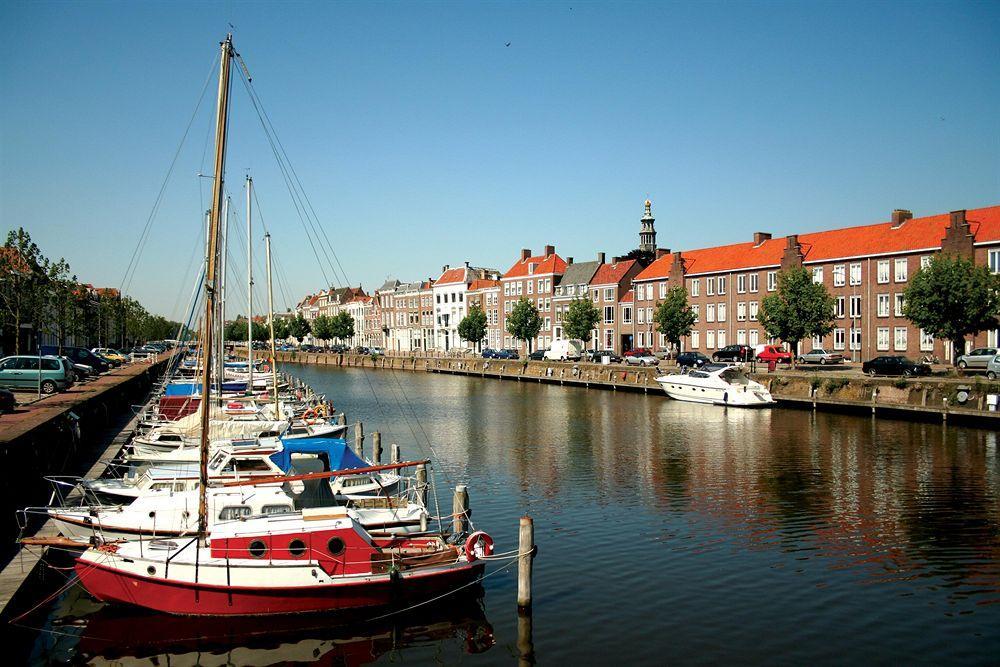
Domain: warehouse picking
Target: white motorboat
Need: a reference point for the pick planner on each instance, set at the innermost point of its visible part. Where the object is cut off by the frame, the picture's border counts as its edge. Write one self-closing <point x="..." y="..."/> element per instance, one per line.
<point x="717" y="384"/>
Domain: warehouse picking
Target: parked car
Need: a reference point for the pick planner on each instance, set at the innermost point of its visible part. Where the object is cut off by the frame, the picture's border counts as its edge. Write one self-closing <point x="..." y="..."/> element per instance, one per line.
<point x="894" y="365"/>
<point x="360" y="349"/>
<point x="7" y="401"/>
<point x="639" y="351"/>
<point x="507" y="353"/>
<point x="538" y="355"/>
<point x="979" y="358"/>
<point x="79" y="355"/>
<point x="734" y="353"/>
<point x="993" y="368"/>
<point x="22" y="372"/>
<point x="641" y="358"/>
<point x="818" y="355"/>
<point x="489" y="353"/>
<point x="692" y="360"/>
<point x="565" y="349"/>
<point x="774" y="353"/>
<point x="109" y="353"/>
<point x="597" y="355"/>
<point x="376" y="350"/>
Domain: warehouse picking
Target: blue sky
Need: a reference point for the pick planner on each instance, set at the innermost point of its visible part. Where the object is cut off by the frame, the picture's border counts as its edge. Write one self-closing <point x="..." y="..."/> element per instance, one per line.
<point x="423" y="140"/>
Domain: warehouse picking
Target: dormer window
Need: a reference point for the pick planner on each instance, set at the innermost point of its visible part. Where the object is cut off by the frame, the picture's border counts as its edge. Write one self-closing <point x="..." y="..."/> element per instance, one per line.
<point x="531" y="268"/>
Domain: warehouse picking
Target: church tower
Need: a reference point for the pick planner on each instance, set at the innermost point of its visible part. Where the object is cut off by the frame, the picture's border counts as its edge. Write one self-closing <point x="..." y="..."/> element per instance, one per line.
<point x="647" y="235"/>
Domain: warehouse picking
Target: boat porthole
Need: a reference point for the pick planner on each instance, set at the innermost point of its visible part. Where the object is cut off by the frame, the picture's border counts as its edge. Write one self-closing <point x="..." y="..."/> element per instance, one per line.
<point x="151" y="570"/>
<point x="296" y="548"/>
<point x="335" y="546"/>
<point x="152" y="515"/>
<point x="257" y="549"/>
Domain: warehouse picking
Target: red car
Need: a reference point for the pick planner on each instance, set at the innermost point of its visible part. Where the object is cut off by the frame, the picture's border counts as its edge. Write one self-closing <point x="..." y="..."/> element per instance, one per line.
<point x="774" y="353"/>
<point x="639" y="352"/>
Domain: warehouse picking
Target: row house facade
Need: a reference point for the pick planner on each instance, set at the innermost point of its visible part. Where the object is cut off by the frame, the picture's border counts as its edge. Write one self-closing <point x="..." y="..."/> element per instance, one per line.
<point x="485" y="293"/>
<point x="608" y="289"/>
<point x="866" y="269"/>
<point x="407" y="316"/>
<point x="532" y="277"/>
<point x="574" y="283"/>
<point x="451" y="303"/>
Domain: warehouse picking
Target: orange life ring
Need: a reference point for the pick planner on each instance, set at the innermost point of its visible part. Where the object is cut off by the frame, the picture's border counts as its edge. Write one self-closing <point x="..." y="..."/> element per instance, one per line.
<point x="265" y="368"/>
<point x="235" y="406"/>
<point x="309" y="414"/>
<point x="478" y="545"/>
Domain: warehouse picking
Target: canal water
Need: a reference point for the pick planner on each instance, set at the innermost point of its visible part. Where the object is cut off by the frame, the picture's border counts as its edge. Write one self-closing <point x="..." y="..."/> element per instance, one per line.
<point x="668" y="533"/>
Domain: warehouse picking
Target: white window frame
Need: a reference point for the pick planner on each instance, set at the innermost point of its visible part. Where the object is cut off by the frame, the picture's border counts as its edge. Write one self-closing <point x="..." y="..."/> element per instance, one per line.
<point x="899" y="339"/>
<point x="753" y="282"/>
<point x="772" y="281"/>
<point x="741" y="284"/>
<point x="854" y="308"/>
<point x="720" y="287"/>
<point x="882" y="272"/>
<point x="901" y="268"/>
<point x="882" y="305"/>
<point x="741" y="311"/>
<point x="882" y="339"/>
<point x="695" y="287"/>
<point x="695" y="339"/>
<point x="840" y="308"/>
<point x="818" y="275"/>
<point x="897" y="304"/>
<point x="839" y="275"/>
<point x="720" y="338"/>
<point x="709" y="286"/>
<point x="855" y="338"/>
<point x="720" y="313"/>
<point x="753" y="310"/>
<point x="926" y="341"/>
<point x="855" y="278"/>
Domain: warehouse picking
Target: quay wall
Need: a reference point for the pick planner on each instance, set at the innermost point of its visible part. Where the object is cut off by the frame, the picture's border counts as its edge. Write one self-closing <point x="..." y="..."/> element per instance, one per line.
<point x="961" y="399"/>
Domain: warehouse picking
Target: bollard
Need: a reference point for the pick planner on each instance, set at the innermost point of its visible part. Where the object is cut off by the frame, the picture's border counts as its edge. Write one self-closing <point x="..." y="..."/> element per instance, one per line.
<point x="394" y="453"/>
<point x="526" y="549"/>
<point x="422" y="484"/>
<point x="525" y="642"/>
<point x="359" y="439"/>
<point x="342" y="419"/>
<point x="377" y="447"/>
<point x="460" y="509"/>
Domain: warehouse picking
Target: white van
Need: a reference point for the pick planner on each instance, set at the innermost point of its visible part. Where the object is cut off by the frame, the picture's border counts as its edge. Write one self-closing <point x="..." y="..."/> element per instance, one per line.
<point x="564" y="349"/>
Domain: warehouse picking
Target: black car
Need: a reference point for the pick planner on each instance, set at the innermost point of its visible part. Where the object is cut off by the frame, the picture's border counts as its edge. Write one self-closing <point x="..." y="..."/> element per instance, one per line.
<point x="79" y="355"/>
<point x="692" y="360"/>
<point x="7" y="401"/>
<point x="537" y="355"/>
<point x="894" y="365"/>
<point x="489" y="353"/>
<point x="597" y="355"/>
<point x="507" y="353"/>
<point x="734" y="353"/>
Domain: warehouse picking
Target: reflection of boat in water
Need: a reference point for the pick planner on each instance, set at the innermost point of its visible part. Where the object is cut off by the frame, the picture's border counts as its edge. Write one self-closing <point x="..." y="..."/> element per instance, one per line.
<point x="131" y="637"/>
<point x="718" y="384"/>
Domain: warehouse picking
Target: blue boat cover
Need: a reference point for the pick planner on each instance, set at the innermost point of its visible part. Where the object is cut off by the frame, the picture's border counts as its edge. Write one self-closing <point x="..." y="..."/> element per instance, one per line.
<point x="192" y="388"/>
<point x="339" y="454"/>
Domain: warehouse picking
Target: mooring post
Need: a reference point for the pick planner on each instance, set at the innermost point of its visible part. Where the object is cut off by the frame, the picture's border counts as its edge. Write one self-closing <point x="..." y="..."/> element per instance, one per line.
<point x="394" y="453"/>
<point x="342" y="419"/>
<point x="359" y="439"/>
<point x="377" y="447"/>
<point x="526" y="549"/>
<point x="460" y="509"/>
<point x="422" y="483"/>
<point x="525" y="641"/>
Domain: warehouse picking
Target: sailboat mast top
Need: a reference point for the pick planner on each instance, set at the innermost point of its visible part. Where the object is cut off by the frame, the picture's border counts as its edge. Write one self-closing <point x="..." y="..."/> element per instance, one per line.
<point x="249" y="287"/>
<point x="270" y="320"/>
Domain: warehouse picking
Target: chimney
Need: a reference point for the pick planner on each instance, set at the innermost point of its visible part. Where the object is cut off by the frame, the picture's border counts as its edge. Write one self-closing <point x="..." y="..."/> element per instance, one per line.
<point x="957" y="218"/>
<point x="899" y="216"/>
<point x="444" y="268"/>
<point x="661" y="252"/>
<point x="525" y="253"/>
<point x="466" y="264"/>
<point x="600" y="258"/>
<point x="569" y="260"/>
<point x="616" y="259"/>
<point x="760" y="237"/>
<point x="550" y="250"/>
<point x="793" y="241"/>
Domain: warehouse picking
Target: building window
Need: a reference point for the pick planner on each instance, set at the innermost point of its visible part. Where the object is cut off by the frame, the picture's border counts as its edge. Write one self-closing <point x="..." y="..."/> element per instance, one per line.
<point x="839" y="339"/>
<point x="926" y="341"/>
<point x="753" y="282"/>
<point x="696" y="309"/>
<point x="839" y="275"/>
<point x="994" y="261"/>
<point x="695" y="339"/>
<point x="882" y="338"/>
<point x="696" y="287"/>
<point x="741" y="336"/>
<point x="741" y="284"/>
<point x="609" y="293"/>
<point x="772" y="281"/>
<point x="721" y="312"/>
<point x="855" y="307"/>
<point x="709" y="339"/>
<point x="925" y="261"/>
<point x="883" y="271"/>
<point x="626" y="314"/>
<point x="838" y="310"/>
<point x="722" y="285"/>
<point x="641" y="316"/>
<point x="640" y="338"/>
<point x="899" y="340"/>
<point x="901" y="270"/>
<point x="710" y="286"/>
<point x="855" y="338"/>
<point x="663" y="289"/>
<point x="882" y="307"/>
<point x="609" y="314"/>
<point x="531" y="285"/>
<point x="753" y="338"/>
<point x="741" y="311"/>
<point x="818" y="274"/>
<point x="720" y="339"/>
<point x="856" y="273"/>
<point x="817" y="342"/>
<point x="899" y="305"/>
<point x="710" y="312"/>
<point x="548" y="323"/>
<point x="753" y="311"/>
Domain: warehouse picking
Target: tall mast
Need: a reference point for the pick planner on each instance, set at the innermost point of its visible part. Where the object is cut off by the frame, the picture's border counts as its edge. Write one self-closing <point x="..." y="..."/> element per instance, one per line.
<point x="223" y="270"/>
<point x="221" y="127"/>
<point x="270" y="321"/>
<point x="249" y="288"/>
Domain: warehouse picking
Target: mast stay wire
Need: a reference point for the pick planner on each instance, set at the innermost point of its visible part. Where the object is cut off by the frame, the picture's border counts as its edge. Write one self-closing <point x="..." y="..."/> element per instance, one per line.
<point x="275" y="256"/>
<point x="133" y="264"/>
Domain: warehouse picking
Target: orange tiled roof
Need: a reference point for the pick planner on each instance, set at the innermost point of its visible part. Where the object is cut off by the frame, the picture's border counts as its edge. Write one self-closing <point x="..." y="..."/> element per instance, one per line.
<point x="451" y="277"/>
<point x="483" y="283"/>
<point x="14" y="260"/>
<point x="880" y="238"/>
<point x="543" y="265"/>
<point x="629" y="295"/>
<point x="608" y="274"/>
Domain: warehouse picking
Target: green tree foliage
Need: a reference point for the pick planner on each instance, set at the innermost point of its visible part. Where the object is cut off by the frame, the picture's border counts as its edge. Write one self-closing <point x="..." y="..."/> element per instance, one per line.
<point x="952" y="298"/>
<point x="644" y="257"/>
<point x="674" y="317"/>
<point x="23" y="281"/>
<point x="281" y="329"/>
<point x="580" y="319"/>
<point x="800" y="309"/>
<point x="473" y="326"/>
<point x="524" y="323"/>
<point x="342" y="326"/>
<point x="322" y="327"/>
<point x="299" y="328"/>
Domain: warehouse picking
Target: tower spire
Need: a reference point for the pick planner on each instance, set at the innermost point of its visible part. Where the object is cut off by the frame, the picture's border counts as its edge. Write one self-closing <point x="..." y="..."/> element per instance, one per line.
<point x="647" y="234"/>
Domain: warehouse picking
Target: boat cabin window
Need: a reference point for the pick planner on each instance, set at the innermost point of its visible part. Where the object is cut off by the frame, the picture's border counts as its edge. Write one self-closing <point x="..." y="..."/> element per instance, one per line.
<point x="217" y="461"/>
<point x="733" y="376"/>
<point x="252" y="465"/>
<point x="698" y="374"/>
<point x="360" y="480"/>
<point x="276" y="509"/>
<point x="297" y="431"/>
<point x="269" y="434"/>
<point x="169" y="437"/>
<point x="167" y="486"/>
<point x="231" y="512"/>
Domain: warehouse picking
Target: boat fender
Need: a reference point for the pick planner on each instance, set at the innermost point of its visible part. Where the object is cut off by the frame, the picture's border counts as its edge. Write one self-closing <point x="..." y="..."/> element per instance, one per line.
<point x="478" y="545"/>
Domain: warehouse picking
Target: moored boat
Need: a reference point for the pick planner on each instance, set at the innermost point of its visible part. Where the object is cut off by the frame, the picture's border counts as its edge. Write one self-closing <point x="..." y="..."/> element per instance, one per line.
<point x="717" y="384"/>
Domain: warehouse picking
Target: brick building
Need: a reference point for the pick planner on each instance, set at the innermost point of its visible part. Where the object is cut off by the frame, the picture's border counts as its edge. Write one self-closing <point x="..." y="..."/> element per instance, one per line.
<point x="534" y="278"/>
<point x="485" y="293"/>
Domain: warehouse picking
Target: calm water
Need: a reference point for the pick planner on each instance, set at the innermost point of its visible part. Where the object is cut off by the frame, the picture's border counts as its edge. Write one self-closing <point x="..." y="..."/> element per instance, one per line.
<point x="668" y="532"/>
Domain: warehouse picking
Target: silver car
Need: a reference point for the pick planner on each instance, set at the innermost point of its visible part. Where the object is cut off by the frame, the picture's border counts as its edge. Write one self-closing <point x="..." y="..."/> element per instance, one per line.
<point x="993" y="368"/>
<point x="978" y="358"/>
<point x="818" y="355"/>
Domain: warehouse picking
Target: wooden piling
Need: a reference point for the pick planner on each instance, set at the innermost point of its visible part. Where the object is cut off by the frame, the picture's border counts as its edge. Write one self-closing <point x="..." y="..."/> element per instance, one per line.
<point x="460" y="509"/>
<point x="525" y="641"/>
<point x="422" y="483"/>
<point x="394" y="453"/>
<point x="359" y="439"/>
<point x="526" y="549"/>
<point x="377" y="447"/>
<point x="342" y="419"/>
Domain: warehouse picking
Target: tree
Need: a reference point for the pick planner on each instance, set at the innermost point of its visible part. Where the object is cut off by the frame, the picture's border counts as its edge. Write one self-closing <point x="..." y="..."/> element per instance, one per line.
<point x="22" y="283"/>
<point x="644" y="257"/>
<point x="800" y="309"/>
<point x="580" y="319"/>
<point x="473" y="326"/>
<point x="322" y="327"/>
<point x="299" y="328"/>
<point x="236" y="330"/>
<point x="674" y="317"/>
<point x="282" y="327"/>
<point x="523" y="323"/>
<point x="342" y="326"/>
<point x="952" y="298"/>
